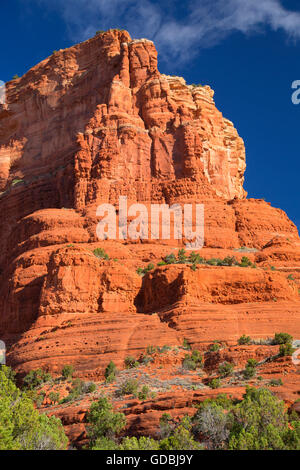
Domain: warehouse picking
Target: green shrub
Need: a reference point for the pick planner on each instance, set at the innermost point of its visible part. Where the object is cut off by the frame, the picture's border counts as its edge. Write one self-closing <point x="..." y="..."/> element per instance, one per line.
<point x="245" y="262"/>
<point x="181" y="257"/>
<point x="244" y="340"/>
<point x="192" y="361"/>
<point x="144" y="393"/>
<point x="225" y="369"/>
<point x="249" y="372"/>
<point x="186" y="344"/>
<point x="100" y="253"/>
<point x="275" y="382"/>
<point x="21" y="425"/>
<point x="282" y="338"/>
<point x="103" y="421"/>
<point x="180" y="437"/>
<point x="141" y="443"/>
<point x="110" y="372"/>
<point x="189" y="364"/>
<point x="130" y="362"/>
<point x="214" y="424"/>
<point x="170" y="259"/>
<point x="67" y="371"/>
<point x="252" y="362"/>
<point x="129" y="387"/>
<point x="35" y="378"/>
<point x="214" y="347"/>
<point x="286" y="350"/>
<point x="143" y="271"/>
<point x="151" y="349"/>
<point x="54" y="397"/>
<point x="214" y="383"/>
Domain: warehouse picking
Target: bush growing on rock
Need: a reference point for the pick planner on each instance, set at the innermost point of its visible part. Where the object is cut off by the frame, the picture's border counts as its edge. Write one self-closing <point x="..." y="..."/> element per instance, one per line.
<point x="214" y="347"/>
<point x="181" y="437"/>
<point x="144" y="393"/>
<point x="67" y="371"/>
<point x="130" y="362"/>
<point x="103" y="422"/>
<point x="282" y="338"/>
<point x="21" y="425"/>
<point x="225" y="369"/>
<point x="35" y="378"/>
<point x="110" y="372"/>
<point x="101" y="254"/>
<point x="286" y="350"/>
<point x="143" y="271"/>
<point x="244" y="340"/>
<point x="214" y="424"/>
<point x="214" y="383"/>
<point x="250" y="369"/>
<point x="129" y="387"/>
<point x="54" y="397"/>
<point x="192" y="361"/>
<point x="257" y="422"/>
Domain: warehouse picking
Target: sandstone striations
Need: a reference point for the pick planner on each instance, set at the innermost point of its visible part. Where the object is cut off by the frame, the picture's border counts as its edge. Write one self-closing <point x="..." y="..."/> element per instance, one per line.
<point x="95" y="122"/>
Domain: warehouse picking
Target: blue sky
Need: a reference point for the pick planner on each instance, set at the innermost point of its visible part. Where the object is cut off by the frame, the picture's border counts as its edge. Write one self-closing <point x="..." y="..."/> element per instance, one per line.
<point x="247" y="51"/>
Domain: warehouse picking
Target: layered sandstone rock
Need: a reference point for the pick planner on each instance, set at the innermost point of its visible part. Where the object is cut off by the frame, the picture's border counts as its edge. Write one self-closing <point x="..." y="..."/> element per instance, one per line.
<point x="95" y="122"/>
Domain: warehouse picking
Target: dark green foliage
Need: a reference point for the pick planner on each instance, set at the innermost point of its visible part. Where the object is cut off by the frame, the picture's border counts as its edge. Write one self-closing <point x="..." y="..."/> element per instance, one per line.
<point x="141" y="443"/>
<point x="67" y="371"/>
<point x="214" y="347"/>
<point x="35" y="378"/>
<point x="170" y="259"/>
<point x="129" y="387"/>
<point x="54" y="397"/>
<point x="130" y="362"/>
<point x="143" y="271"/>
<point x="79" y="388"/>
<point x="245" y="262"/>
<point x="186" y="344"/>
<point x="275" y="383"/>
<point x="282" y="338"/>
<point x="286" y="350"/>
<point x="225" y="369"/>
<point x="180" y="437"/>
<point x="192" y="361"/>
<point x="103" y="421"/>
<point x="214" y="383"/>
<point x="110" y="372"/>
<point x="21" y="425"/>
<point x="144" y="393"/>
<point x="244" y="340"/>
<point x="101" y="254"/>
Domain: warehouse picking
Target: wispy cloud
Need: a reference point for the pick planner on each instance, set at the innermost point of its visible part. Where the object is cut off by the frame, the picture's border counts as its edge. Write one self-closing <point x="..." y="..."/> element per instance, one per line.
<point x="178" y="30"/>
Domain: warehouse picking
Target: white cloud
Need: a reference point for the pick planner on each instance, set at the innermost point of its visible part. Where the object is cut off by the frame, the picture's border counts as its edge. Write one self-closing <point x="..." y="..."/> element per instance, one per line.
<point x="179" y="29"/>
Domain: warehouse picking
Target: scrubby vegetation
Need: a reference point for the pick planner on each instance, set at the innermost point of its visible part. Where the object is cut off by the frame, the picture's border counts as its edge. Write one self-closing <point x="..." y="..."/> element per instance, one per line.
<point x="35" y="378"/>
<point x="257" y="422"/>
<point x="101" y="254"/>
<point x="21" y="425"/>
<point x="244" y="340"/>
<point x="194" y="259"/>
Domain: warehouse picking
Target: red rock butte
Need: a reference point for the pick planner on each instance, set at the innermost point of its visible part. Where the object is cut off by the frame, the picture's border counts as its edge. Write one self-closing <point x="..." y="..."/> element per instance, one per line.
<point x="91" y="123"/>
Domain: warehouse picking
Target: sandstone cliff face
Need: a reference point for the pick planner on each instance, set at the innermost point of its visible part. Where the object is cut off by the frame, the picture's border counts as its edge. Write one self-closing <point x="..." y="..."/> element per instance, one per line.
<point x="83" y="127"/>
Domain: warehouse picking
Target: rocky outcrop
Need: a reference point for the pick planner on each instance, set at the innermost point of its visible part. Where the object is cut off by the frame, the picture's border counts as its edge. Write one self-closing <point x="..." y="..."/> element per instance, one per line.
<point x="91" y="123"/>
